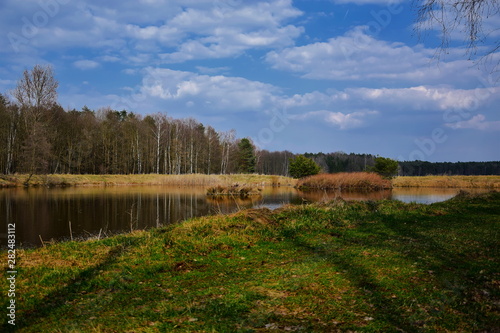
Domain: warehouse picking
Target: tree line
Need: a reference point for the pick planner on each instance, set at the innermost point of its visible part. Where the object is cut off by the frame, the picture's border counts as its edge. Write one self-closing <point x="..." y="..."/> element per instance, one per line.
<point x="39" y="136"/>
<point x="107" y="141"/>
<point x="423" y="168"/>
<point x="342" y="162"/>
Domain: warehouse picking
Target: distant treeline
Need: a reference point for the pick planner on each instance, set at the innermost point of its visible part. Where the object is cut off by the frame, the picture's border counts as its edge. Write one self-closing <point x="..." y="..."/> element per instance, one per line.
<point x="52" y="140"/>
<point x="422" y="168"/>
<point x="342" y="162"/>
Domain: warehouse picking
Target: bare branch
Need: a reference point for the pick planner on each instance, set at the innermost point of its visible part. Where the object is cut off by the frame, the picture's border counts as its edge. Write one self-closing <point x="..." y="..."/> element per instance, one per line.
<point x="472" y="19"/>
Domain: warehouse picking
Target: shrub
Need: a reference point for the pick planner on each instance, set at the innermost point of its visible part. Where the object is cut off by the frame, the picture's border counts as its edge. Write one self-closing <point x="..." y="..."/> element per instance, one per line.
<point x="302" y="166"/>
<point x="385" y="167"/>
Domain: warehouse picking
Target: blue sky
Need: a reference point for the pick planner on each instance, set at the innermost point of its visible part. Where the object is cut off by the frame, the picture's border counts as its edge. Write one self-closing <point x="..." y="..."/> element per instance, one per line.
<point x="304" y="76"/>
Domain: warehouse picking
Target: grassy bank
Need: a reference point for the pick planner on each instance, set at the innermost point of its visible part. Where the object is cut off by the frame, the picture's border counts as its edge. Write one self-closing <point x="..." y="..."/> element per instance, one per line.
<point x="332" y="267"/>
<point x="144" y="179"/>
<point x="491" y="182"/>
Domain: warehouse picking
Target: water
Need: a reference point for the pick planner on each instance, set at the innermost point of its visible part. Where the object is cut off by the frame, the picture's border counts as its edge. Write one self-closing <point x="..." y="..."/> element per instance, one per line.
<point x="48" y="214"/>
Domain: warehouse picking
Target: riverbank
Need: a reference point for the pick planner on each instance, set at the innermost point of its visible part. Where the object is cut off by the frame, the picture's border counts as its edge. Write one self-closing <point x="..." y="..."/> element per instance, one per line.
<point x="340" y="266"/>
<point x="489" y="182"/>
<point x="56" y="180"/>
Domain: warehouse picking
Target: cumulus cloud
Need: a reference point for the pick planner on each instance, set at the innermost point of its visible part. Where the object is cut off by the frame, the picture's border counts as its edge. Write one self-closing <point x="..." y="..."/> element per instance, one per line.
<point x="477" y="122"/>
<point x="424" y="97"/>
<point x="346" y="108"/>
<point x="400" y="100"/>
<point x="339" y="119"/>
<point x="221" y="92"/>
<point x="358" y="56"/>
<point x="205" y="29"/>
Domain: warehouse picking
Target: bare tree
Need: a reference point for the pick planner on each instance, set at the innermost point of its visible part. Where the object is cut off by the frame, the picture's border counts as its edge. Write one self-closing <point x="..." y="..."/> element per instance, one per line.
<point x="36" y="91"/>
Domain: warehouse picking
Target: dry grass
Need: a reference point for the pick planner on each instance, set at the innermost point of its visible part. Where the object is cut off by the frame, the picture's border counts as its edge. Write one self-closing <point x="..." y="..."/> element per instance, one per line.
<point x="233" y="190"/>
<point x="490" y="182"/>
<point x="147" y="179"/>
<point x="345" y="181"/>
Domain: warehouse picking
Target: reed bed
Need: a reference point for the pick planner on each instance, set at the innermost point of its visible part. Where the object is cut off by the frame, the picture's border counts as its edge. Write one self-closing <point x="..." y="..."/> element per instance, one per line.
<point x="365" y="181"/>
<point x="55" y="180"/>
<point x="489" y="182"/>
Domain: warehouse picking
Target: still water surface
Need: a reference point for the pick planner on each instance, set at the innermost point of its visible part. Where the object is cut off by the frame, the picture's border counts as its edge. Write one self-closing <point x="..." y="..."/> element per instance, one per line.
<point x="47" y="214"/>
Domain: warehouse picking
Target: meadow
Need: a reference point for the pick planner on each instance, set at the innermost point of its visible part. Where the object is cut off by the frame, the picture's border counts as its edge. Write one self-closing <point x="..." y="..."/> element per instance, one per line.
<point x="335" y="266"/>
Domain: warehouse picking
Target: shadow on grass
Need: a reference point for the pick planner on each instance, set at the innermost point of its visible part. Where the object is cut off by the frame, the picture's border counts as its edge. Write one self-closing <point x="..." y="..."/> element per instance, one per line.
<point x="68" y="293"/>
<point x="387" y="310"/>
<point x="459" y="274"/>
<point x="462" y="262"/>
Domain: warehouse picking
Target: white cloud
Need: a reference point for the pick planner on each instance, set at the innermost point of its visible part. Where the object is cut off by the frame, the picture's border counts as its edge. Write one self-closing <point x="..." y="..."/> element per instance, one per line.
<point x="477" y="122"/>
<point x="425" y="97"/>
<point x="342" y="120"/>
<point x="176" y="30"/>
<point x="401" y="100"/>
<point x="358" y="56"/>
<point x="86" y="64"/>
<point x="220" y="92"/>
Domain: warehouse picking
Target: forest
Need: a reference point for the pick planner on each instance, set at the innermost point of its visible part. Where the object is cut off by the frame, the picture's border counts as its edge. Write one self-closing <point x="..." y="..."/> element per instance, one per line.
<point x="107" y="141"/>
<point x="38" y="136"/>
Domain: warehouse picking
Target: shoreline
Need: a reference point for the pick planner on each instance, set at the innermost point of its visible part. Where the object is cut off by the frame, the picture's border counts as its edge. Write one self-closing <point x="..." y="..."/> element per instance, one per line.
<point x="67" y="180"/>
<point x="335" y="266"/>
<point x="64" y="180"/>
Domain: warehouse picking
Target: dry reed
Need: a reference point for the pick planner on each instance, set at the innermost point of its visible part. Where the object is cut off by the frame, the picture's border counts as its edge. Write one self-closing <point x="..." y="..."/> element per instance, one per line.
<point x="490" y="182"/>
<point x="365" y="181"/>
<point x="56" y="180"/>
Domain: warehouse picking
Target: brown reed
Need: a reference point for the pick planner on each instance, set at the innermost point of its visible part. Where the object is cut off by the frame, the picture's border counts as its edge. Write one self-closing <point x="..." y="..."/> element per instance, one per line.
<point x="365" y="181"/>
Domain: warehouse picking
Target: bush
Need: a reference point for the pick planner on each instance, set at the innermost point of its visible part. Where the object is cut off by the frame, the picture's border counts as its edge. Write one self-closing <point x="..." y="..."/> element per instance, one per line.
<point x="385" y="167"/>
<point x="302" y="166"/>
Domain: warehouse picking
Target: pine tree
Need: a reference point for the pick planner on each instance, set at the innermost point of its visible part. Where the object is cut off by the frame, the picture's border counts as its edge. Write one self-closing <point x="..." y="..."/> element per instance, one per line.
<point x="302" y="166"/>
<point x="246" y="156"/>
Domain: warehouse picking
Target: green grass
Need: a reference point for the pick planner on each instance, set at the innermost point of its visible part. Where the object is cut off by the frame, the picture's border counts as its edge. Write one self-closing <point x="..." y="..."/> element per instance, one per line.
<point x="333" y="267"/>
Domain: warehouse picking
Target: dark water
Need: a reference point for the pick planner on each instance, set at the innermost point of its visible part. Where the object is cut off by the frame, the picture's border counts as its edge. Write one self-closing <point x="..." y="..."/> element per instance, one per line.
<point x="47" y="214"/>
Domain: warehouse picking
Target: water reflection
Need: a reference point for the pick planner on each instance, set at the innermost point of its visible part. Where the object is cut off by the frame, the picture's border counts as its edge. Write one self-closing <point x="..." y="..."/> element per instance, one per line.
<point x="48" y="213"/>
<point x="428" y="195"/>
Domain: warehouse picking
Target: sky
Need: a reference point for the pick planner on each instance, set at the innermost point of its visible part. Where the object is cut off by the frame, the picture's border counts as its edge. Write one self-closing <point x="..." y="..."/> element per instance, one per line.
<point x="303" y="76"/>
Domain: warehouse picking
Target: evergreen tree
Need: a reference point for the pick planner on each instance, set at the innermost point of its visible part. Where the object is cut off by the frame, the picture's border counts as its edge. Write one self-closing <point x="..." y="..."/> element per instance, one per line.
<point x="246" y="156"/>
<point x="385" y="167"/>
<point x="302" y="166"/>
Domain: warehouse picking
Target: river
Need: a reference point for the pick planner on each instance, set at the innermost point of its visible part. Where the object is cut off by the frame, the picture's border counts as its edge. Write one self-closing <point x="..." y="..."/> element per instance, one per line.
<point x="81" y="212"/>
